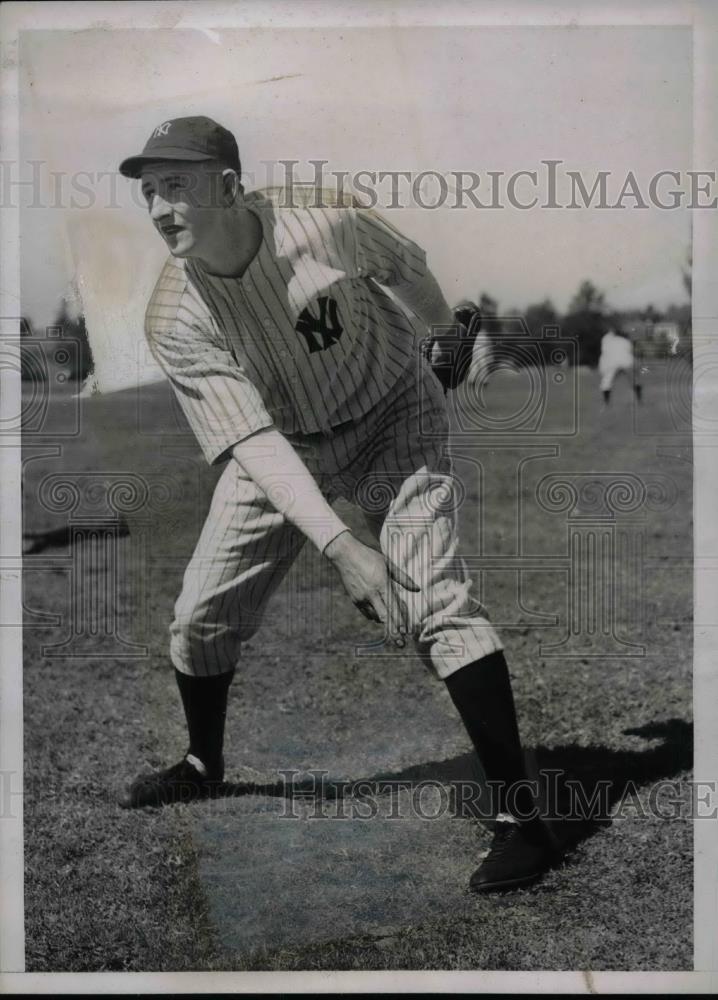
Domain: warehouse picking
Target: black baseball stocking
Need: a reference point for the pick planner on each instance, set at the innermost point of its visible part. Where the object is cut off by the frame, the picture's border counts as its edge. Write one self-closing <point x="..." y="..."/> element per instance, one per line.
<point x="205" y="707"/>
<point x="482" y="694"/>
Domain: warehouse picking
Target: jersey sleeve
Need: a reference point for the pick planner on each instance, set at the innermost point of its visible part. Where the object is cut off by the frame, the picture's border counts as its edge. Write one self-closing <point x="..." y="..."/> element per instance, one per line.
<point x="383" y="253"/>
<point x="221" y="404"/>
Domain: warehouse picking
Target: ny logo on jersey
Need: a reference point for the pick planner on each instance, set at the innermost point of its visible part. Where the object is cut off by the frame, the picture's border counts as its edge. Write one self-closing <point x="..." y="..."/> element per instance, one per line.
<point x="318" y="333"/>
<point x="162" y="129"/>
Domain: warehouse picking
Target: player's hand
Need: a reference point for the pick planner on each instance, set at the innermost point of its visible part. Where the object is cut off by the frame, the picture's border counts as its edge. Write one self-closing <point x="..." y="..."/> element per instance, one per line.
<point x="368" y="578"/>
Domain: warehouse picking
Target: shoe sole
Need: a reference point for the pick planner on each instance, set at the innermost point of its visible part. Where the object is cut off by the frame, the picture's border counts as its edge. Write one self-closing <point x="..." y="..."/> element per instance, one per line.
<point x="129" y="804"/>
<point x="213" y="790"/>
<point x="126" y="804"/>
<point x="519" y="883"/>
<point x="512" y="883"/>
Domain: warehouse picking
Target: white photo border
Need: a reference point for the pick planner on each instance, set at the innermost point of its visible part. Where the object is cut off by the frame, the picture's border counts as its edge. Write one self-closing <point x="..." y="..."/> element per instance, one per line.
<point x="703" y="16"/>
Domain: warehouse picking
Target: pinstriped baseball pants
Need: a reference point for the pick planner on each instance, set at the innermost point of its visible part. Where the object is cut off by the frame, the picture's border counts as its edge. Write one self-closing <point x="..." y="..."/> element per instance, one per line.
<point x="402" y="481"/>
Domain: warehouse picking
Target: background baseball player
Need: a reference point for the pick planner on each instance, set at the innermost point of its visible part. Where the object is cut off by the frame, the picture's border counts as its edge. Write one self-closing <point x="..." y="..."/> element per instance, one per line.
<point x="295" y="367"/>
<point x="617" y="357"/>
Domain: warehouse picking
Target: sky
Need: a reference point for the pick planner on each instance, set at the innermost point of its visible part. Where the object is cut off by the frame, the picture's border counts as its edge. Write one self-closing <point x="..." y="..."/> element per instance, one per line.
<point x="476" y="98"/>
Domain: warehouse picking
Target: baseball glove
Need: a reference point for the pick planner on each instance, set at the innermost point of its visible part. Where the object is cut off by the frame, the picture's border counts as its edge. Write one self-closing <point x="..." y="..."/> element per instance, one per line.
<point x="449" y="350"/>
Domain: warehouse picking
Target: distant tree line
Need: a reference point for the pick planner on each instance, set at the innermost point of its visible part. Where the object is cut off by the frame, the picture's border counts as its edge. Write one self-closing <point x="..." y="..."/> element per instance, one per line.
<point x="63" y="346"/>
<point x="655" y="333"/>
<point x="587" y="319"/>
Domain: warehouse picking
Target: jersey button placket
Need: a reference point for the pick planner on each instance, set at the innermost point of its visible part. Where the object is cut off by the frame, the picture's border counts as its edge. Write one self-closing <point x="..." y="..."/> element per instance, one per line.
<point x="291" y="364"/>
<point x="273" y="336"/>
<point x="290" y="376"/>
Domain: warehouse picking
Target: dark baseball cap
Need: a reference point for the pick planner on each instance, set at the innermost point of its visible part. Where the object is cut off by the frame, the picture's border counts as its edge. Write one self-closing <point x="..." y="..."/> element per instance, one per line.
<point x="194" y="139"/>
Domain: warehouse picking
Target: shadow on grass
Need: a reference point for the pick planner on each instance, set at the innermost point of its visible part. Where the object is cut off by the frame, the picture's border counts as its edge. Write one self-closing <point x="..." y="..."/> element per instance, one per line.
<point x="578" y="786"/>
<point x="66" y="536"/>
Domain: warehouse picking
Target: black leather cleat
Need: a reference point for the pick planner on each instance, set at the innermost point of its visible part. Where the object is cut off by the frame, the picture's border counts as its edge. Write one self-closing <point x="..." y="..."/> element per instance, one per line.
<point x="520" y="854"/>
<point x="180" y="783"/>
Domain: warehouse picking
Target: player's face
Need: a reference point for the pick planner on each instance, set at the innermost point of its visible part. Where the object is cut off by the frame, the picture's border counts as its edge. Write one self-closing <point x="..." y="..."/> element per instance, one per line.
<point x="184" y="201"/>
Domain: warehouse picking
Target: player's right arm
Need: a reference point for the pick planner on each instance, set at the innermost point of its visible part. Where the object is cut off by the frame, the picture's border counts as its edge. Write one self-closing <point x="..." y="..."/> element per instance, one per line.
<point x="229" y="419"/>
<point x="271" y="461"/>
<point x="215" y="393"/>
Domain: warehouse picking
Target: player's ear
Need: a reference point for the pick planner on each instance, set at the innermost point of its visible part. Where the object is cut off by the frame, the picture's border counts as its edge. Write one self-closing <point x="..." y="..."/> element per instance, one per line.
<point x="232" y="189"/>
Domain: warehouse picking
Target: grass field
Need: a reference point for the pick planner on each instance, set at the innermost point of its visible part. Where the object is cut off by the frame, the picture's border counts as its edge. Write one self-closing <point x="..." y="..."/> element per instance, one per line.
<point x="232" y="885"/>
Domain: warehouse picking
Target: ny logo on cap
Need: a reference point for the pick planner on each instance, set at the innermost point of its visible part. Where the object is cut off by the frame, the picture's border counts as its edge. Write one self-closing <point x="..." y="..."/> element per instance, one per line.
<point x="162" y="129"/>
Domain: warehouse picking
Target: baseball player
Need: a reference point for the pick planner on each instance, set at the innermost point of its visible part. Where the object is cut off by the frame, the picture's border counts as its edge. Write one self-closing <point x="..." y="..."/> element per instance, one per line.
<point x="298" y="370"/>
<point x="617" y="357"/>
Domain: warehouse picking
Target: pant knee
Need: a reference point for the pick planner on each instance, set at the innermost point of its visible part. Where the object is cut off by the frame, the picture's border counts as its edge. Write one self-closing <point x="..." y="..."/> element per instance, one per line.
<point x="203" y="642"/>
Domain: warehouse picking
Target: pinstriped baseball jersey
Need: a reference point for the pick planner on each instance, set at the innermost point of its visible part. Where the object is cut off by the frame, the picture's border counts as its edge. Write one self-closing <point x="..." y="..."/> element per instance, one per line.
<point x="305" y="340"/>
